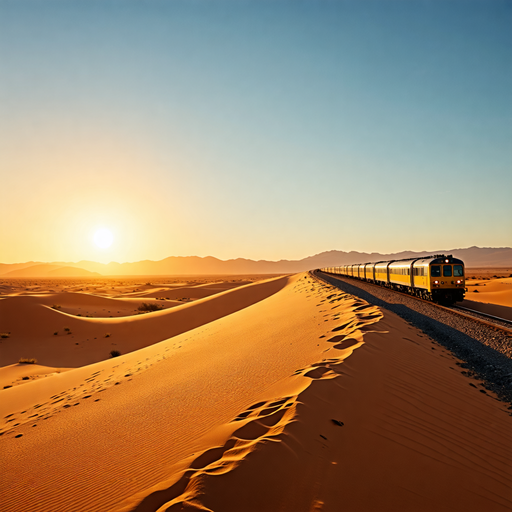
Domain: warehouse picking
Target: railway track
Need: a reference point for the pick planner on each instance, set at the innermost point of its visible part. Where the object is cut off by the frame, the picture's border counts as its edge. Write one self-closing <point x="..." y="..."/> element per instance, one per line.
<point x="491" y="317"/>
<point x="483" y="344"/>
<point x="488" y="320"/>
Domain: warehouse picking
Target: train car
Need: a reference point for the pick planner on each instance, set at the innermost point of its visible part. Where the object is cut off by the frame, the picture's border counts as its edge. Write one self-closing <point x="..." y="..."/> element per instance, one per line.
<point x="381" y="273"/>
<point x="368" y="272"/>
<point x="438" y="278"/>
<point x="399" y="274"/>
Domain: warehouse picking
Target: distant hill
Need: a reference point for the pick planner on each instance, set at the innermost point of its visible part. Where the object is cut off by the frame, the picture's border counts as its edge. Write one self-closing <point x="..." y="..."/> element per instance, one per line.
<point x="194" y="265"/>
<point x="8" y="267"/>
<point x="472" y="257"/>
<point x="72" y="272"/>
<point x="50" y="270"/>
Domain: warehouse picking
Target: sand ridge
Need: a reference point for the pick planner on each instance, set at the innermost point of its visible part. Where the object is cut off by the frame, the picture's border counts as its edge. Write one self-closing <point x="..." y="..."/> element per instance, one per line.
<point x="310" y="399"/>
<point x="120" y="285"/>
<point x="56" y="338"/>
<point x="327" y="452"/>
<point x="234" y="373"/>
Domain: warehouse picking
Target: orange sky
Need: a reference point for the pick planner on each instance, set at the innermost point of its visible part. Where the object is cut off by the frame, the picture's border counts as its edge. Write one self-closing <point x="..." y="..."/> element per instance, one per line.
<point x="256" y="130"/>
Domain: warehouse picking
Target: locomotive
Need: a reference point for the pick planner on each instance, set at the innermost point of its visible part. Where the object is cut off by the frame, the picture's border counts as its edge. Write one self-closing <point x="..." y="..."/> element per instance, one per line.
<point x="437" y="278"/>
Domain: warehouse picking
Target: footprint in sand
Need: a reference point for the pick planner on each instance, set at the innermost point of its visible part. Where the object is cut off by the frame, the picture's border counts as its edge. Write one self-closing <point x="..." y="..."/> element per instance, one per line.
<point x="264" y="409"/>
<point x="344" y="326"/>
<point x="320" y="373"/>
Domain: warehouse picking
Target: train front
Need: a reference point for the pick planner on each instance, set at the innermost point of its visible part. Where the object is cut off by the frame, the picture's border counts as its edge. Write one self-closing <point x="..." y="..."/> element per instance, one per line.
<point x="447" y="279"/>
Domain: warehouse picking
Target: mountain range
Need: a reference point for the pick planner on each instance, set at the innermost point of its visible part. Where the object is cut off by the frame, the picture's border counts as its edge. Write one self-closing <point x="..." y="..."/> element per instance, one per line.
<point x="195" y="265"/>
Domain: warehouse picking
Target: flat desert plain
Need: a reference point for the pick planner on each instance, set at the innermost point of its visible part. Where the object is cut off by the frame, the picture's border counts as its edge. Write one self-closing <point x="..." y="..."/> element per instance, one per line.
<point x="242" y="394"/>
<point x="490" y="290"/>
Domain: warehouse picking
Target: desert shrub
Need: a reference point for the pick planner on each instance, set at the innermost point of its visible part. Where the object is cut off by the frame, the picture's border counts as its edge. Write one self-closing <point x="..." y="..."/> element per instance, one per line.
<point x="25" y="378"/>
<point x="25" y="360"/>
<point x="476" y="291"/>
<point x="5" y="335"/>
<point x="67" y="329"/>
<point x="55" y="333"/>
<point x="148" y="306"/>
<point x="107" y="335"/>
<point x="115" y="353"/>
<point x="56" y="306"/>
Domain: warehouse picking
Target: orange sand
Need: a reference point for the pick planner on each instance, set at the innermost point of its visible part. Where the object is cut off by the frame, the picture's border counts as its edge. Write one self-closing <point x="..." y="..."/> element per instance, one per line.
<point x="490" y="291"/>
<point x="32" y="323"/>
<point x="299" y="398"/>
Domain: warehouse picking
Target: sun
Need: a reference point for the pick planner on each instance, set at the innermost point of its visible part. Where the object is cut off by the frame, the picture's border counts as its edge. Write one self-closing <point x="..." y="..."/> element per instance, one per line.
<point x="103" y="238"/>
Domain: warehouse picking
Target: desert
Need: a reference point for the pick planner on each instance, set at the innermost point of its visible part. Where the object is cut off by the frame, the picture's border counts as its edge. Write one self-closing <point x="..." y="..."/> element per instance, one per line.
<point x="258" y="393"/>
<point x="255" y="256"/>
<point x="490" y="290"/>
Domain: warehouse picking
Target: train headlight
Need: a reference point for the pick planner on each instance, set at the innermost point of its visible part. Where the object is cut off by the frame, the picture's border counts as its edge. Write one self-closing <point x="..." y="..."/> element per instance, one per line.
<point x="459" y="281"/>
<point x="436" y="282"/>
<point x="447" y="261"/>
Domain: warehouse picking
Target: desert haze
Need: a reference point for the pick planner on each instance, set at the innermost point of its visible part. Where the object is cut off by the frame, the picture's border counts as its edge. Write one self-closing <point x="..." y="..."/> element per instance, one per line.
<point x="238" y="393"/>
<point x="194" y="265"/>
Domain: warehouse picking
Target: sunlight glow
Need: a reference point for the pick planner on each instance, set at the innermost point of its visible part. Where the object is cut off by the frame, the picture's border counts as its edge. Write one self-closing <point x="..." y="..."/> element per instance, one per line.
<point x="103" y="238"/>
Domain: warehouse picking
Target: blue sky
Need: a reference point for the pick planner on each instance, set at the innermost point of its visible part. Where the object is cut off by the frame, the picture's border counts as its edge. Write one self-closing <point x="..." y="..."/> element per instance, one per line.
<point x="259" y="129"/>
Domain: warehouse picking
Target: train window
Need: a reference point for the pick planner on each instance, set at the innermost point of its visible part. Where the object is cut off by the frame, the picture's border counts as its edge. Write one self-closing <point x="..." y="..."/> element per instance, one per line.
<point x="458" y="270"/>
<point x="447" y="271"/>
<point x="435" y="271"/>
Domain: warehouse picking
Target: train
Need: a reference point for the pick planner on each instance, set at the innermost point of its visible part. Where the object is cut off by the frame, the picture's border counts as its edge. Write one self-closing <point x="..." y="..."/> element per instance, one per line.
<point x="439" y="278"/>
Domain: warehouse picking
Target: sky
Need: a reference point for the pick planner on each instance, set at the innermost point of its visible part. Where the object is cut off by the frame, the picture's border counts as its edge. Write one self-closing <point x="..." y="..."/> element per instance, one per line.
<point x="262" y="129"/>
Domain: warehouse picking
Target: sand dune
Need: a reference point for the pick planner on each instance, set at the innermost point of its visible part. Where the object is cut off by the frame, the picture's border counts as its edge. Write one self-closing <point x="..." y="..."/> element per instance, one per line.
<point x="82" y="304"/>
<point x="307" y="400"/>
<point x="16" y="374"/>
<point x="80" y="341"/>
<point x="117" y="286"/>
<point x="190" y="292"/>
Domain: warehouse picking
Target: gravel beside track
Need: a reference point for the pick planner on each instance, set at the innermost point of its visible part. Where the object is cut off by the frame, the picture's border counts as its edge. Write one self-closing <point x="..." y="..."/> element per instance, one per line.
<point x="486" y="352"/>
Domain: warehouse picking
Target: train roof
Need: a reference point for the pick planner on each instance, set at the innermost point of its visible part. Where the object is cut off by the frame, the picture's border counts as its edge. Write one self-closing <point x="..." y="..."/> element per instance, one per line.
<point x="436" y="258"/>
